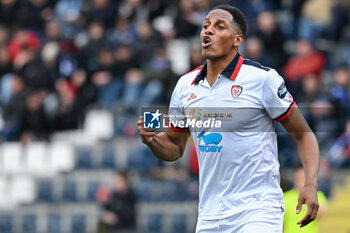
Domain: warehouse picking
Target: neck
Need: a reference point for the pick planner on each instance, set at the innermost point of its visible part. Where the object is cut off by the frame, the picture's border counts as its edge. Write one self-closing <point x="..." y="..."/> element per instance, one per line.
<point x="216" y="66"/>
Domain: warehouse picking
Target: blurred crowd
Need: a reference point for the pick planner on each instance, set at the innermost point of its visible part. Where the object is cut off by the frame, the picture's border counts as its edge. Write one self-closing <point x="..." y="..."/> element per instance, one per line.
<point x="59" y="58"/>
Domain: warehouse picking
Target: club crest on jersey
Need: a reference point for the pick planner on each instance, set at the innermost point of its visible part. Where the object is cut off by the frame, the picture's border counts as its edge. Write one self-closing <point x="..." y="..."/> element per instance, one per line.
<point x="282" y="91"/>
<point x="236" y="91"/>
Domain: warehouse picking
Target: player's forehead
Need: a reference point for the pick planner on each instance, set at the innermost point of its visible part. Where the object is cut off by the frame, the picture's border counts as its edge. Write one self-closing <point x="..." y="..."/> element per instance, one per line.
<point x="220" y="14"/>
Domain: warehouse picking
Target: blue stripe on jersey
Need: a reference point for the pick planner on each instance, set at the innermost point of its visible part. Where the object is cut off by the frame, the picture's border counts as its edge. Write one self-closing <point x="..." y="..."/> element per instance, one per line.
<point x="255" y="64"/>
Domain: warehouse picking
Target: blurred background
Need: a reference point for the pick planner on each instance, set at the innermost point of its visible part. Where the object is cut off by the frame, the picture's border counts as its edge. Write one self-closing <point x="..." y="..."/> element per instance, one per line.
<point x="74" y="75"/>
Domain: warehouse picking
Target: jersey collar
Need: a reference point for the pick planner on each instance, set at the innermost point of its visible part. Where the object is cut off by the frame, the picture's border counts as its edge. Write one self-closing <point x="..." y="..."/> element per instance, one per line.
<point x="231" y="71"/>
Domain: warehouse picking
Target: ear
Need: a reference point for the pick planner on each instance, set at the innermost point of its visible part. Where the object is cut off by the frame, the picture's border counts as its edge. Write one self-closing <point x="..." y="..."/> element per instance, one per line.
<point x="238" y="40"/>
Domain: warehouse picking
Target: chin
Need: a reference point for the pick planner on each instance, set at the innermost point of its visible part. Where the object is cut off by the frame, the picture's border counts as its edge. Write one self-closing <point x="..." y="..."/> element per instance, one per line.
<point x="208" y="55"/>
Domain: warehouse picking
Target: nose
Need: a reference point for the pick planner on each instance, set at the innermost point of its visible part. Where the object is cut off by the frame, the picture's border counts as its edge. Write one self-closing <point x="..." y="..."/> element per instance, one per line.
<point x="209" y="30"/>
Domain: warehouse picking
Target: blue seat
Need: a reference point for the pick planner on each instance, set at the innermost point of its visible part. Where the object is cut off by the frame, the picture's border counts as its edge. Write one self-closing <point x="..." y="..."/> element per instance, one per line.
<point x="155" y="223"/>
<point x="173" y="191"/>
<point x="145" y="190"/>
<point x="78" y="223"/>
<point x="29" y="223"/>
<point x="142" y="159"/>
<point x="84" y="160"/>
<point x="179" y="223"/>
<point x="108" y="158"/>
<point x="45" y="191"/>
<point x="6" y="223"/>
<point x="92" y="189"/>
<point x="54" y="223"/>
<point x="69" y="192"/>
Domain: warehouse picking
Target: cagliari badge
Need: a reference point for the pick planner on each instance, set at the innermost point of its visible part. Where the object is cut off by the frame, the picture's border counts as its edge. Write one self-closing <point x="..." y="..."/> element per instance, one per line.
<point x="236" y="90"/>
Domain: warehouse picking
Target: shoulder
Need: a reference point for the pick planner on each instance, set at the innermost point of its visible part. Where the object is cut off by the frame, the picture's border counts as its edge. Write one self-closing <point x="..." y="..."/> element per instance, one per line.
<point x="187" y="79"/>
<point x="260" y="72"/>
<point x="255" y="66"/>
<point x="255" y="70"/>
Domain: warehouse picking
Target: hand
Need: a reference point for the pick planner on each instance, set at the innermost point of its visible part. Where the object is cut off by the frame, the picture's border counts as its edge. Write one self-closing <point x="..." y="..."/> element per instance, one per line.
<point x="308" y="196"/>
<point x="147" y="135"/>
<point x="110" y="218"/>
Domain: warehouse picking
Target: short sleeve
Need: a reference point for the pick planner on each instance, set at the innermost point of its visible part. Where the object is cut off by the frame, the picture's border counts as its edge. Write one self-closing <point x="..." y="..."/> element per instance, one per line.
<point x="276" y="99"/>
<point x="177" y="116"/>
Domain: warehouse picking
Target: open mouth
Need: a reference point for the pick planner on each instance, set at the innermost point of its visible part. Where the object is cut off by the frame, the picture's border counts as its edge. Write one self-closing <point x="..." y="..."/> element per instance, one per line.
<point x="206" y="42"/>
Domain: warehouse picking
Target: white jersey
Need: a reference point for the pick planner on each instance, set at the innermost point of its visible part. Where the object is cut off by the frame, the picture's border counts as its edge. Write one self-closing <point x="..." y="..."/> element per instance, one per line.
<point x="238" y="164"/>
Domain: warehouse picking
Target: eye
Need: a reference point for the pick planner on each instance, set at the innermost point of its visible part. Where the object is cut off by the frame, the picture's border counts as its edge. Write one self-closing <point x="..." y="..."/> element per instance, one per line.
<point x="220" y="27"/>
<point x="205" y="26"/>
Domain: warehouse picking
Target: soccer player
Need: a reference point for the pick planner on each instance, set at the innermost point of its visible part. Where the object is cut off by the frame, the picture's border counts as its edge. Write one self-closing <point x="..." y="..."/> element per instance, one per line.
<point x="238" y="166"/>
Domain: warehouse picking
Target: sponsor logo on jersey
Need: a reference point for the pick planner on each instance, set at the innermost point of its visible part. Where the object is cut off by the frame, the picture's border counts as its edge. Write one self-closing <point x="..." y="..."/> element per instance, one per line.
<point x="282" y="91"/>
<point x="211" y="141"/>
<point x="236" y="91"/>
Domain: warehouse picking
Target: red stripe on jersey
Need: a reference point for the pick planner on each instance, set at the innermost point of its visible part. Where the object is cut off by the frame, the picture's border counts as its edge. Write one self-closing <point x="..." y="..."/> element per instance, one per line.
<point x="238" y="67"/>
<point x="198" y="68"/>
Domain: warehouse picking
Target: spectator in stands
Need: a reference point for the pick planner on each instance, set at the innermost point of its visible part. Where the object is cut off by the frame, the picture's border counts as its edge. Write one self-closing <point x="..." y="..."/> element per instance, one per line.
<point x="34" y="13"/>
<point x="135" y="10"/>
<point x="23" y="40"/>
<point x="251" y="9"/>
<point x="35" y="125"/>
<point x="39" y="71"/>
<point x="96" y="40"/>
<point x="67" y="114"/>
<point x="148" y="40"/>
<point x="254" y="50"/>
<point x="125" y="59"/>
<point x="196" y="59"/>
<point x="158" y="77"/>
<point x="306" y="61"/>
<point x="4" y="35"/>
<point x="9" y="12"/>
<point x="339" y="91"/>
<point x="316" y="18"/>
<point x="339" y="95"/>
<point x="339" y="153"/>
<point x="109" y="86"/>
<point x="86" y="93"/>
<point x="185" y="23"/>
<point x="123" y="33"/>
<point x="202" y="8"/>
<point x="340" y="25"/>
<point x="272" y="39"/>
<point x="5" y="62"/>
<point x="68" y="13"/>
<point x="103" y="11"/>
<point x="119" y="211"/>
<point x="52" y="30"/>
<point x="291" y="200"/>
<point x="14" y="110"/>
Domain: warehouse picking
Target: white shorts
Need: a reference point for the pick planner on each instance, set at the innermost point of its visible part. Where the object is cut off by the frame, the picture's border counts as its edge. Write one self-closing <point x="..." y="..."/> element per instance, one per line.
<point x="262" y="220"/>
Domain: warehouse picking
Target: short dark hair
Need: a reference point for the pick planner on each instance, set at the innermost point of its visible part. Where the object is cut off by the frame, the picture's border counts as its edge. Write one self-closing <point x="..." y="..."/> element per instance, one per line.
<point x="238" y="16"/>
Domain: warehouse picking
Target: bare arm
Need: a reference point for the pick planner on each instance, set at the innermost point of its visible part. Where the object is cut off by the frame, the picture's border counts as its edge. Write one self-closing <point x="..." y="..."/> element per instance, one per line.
<point x="296" y="125"/>
<point x="167" y="146"/>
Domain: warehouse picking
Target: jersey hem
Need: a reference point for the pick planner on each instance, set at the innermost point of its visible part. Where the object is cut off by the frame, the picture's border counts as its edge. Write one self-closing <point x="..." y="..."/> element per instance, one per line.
<point x="229" y="214"/>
